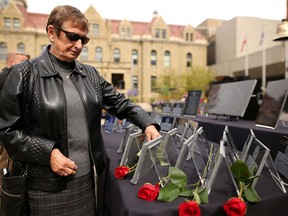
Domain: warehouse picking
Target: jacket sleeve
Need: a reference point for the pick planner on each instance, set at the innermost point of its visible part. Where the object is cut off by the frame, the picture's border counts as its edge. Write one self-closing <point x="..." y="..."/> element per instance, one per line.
<point x="117" y="104"/>
<point x="14" y="134"/>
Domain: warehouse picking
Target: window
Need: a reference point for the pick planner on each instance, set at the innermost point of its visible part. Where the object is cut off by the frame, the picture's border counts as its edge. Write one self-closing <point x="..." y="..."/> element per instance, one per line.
<point x="125" y="32"/>
<point x="191" y="37"/>
<point x="118" y="80"/>
<point x="153" y="83"/>
<point x="153" y="57"/>
<point x="128" y="32"/>
<point x="135" y="81"/>
<point x="122" y="32"/>
<point x="3" y="51"/>
<point x="167" y="59"/>
<point x="187" y="37"/>
<point x="95" y="29"/>
<point x="163" y="33"/>
<point x="157" y="33"/>
<point x="116" y="55"/>
<point x="7" y="21"/>
<point x="16" y="23"/>
<point x="84" y="54"/>
<point x="21" y="48"/>
<point x="189" y="60"/>
<point x="99" y="54"/>
<point x="135" y="57"/>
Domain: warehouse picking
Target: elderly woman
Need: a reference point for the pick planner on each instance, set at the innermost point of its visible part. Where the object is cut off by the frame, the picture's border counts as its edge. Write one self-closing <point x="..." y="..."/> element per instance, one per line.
<point x="56" y="129"/>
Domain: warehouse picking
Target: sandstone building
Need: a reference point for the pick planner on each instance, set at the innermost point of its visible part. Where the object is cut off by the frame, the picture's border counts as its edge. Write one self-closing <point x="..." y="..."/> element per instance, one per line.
<point x="129" y="54"/>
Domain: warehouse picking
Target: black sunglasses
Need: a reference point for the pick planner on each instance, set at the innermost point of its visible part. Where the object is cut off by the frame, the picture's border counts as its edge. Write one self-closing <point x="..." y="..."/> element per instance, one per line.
<point x="74" y="37"/>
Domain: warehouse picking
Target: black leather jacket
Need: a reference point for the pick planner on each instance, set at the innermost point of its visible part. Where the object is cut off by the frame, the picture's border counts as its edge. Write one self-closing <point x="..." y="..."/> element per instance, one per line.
<point x="46" y="113"/>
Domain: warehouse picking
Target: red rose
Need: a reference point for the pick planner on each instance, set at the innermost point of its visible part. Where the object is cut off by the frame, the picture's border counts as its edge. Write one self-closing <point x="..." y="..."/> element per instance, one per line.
<point x="121" y="172"/>
<point x="190" y="208"/>
<point x="235" y="207"/>
<point x="149" y="192"/>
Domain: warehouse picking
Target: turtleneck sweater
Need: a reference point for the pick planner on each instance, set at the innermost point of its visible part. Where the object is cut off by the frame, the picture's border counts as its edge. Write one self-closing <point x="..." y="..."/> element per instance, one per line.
<point x="78" y="149"/>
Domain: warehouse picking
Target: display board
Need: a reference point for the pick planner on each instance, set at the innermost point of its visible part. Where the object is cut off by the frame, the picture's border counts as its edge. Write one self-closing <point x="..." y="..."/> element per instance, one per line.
<point x="230" y="99"/>
<point x="167" y="107"/>
<point x="272" y="104"/>
<point x="110" y="122"/>
<point x="145" y="162"/>
<point x="177" y="108"/>
<point x="192" y="102"/>
<point x="167" y="123"/>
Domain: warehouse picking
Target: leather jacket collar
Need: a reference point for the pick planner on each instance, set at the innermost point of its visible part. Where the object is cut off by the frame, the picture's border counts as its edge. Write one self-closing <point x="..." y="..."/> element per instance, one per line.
<point x="46" y="68"/>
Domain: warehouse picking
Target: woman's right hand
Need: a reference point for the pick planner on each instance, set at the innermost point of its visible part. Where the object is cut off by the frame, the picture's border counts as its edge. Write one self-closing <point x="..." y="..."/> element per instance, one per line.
<point x="62" y="165"/>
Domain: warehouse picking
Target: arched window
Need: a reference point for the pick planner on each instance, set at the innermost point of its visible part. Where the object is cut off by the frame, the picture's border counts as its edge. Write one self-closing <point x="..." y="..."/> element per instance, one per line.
<point x="116" y="55"/>
<point x="189" y="60"/>
<point x="167" y="59"/>
<point x="21" y="47"/>
<point x="84" y="54"/>
<point x="153" y="57"/>
<point x="99" y="54"/>
<point x="3" y="51"/>
<point x="135" y="57"/>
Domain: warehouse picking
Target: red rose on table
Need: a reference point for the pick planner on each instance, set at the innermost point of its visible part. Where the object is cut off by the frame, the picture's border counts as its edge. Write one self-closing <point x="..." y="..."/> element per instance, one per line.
<point x="149" y="192"/>
<point x="189" y="208"/>
<point x="235" y="207"/>
<point x="121" y="172"/>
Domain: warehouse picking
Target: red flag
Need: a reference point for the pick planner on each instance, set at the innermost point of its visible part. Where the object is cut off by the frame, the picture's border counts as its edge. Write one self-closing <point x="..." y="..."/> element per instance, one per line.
<point x="262" y="36"/>
<point x="243" y="45"/>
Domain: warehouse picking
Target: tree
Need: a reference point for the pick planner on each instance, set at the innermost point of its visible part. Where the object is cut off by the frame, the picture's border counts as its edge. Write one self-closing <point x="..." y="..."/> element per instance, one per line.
<point x="174" y="85"/>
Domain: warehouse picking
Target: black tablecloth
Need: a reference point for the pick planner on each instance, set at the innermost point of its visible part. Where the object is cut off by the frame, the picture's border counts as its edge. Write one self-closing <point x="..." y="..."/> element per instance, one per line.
<point x="121" y="195"/>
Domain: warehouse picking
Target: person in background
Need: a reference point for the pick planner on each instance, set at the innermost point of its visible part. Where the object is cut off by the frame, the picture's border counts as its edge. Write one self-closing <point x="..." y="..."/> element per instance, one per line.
<point x="59" y="134"/>
<point x="12" y="58"/>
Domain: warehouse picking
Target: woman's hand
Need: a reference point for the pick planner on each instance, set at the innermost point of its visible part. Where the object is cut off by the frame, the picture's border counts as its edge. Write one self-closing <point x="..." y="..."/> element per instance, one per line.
<point x="62" y="165"/>
<point x="151" y="133"/>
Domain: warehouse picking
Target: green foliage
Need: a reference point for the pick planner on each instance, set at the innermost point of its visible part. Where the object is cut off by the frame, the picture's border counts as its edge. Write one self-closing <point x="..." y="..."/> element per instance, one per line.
<point x="244" y="180"/>
<point x="177" y="186"/>
<point x="173" y="85"/>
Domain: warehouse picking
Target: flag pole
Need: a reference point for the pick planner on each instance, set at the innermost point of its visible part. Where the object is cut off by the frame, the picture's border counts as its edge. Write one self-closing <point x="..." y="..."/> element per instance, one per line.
<point x="263" y="60"/>
<point x="246" y="58"/>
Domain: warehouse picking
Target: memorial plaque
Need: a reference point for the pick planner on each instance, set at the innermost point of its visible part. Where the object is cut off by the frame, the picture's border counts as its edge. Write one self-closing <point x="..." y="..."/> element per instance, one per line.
<point x="157" y="117"/>
<point x="145" y="164"/>
<point x="256" y="158"/>
<point x="192" y="103"/>
<point x="128" y="131"/>
<point x="284" y="114"/>
<point x="160" y="160"/>
<point x="247" y="145"/>
<point x="167" y="107"/>
<point x="109" y="123"/>
<point x="180" y="124"/>
<point x="274" y="173"/>
<point x="177" y="108"/>
<point x="230" y="99"/>
<point x="189" y="129"/>
<point x="228" y="139"/>
<point x="272" y="104"/>
<point x="216" y="161"/>
<point x="167" y="123"/>
<point x="134" y="144"/>
<point x="281" y="160"/>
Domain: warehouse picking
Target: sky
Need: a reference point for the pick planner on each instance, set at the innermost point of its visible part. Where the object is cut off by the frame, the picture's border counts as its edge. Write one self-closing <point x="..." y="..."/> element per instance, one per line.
<point x="180" y="12"/>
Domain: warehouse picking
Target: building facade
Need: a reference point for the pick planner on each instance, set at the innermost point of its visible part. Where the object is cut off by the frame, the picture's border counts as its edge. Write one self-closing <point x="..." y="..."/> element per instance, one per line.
<point x="244" y="47"/>
<point x="131" y="55"/>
